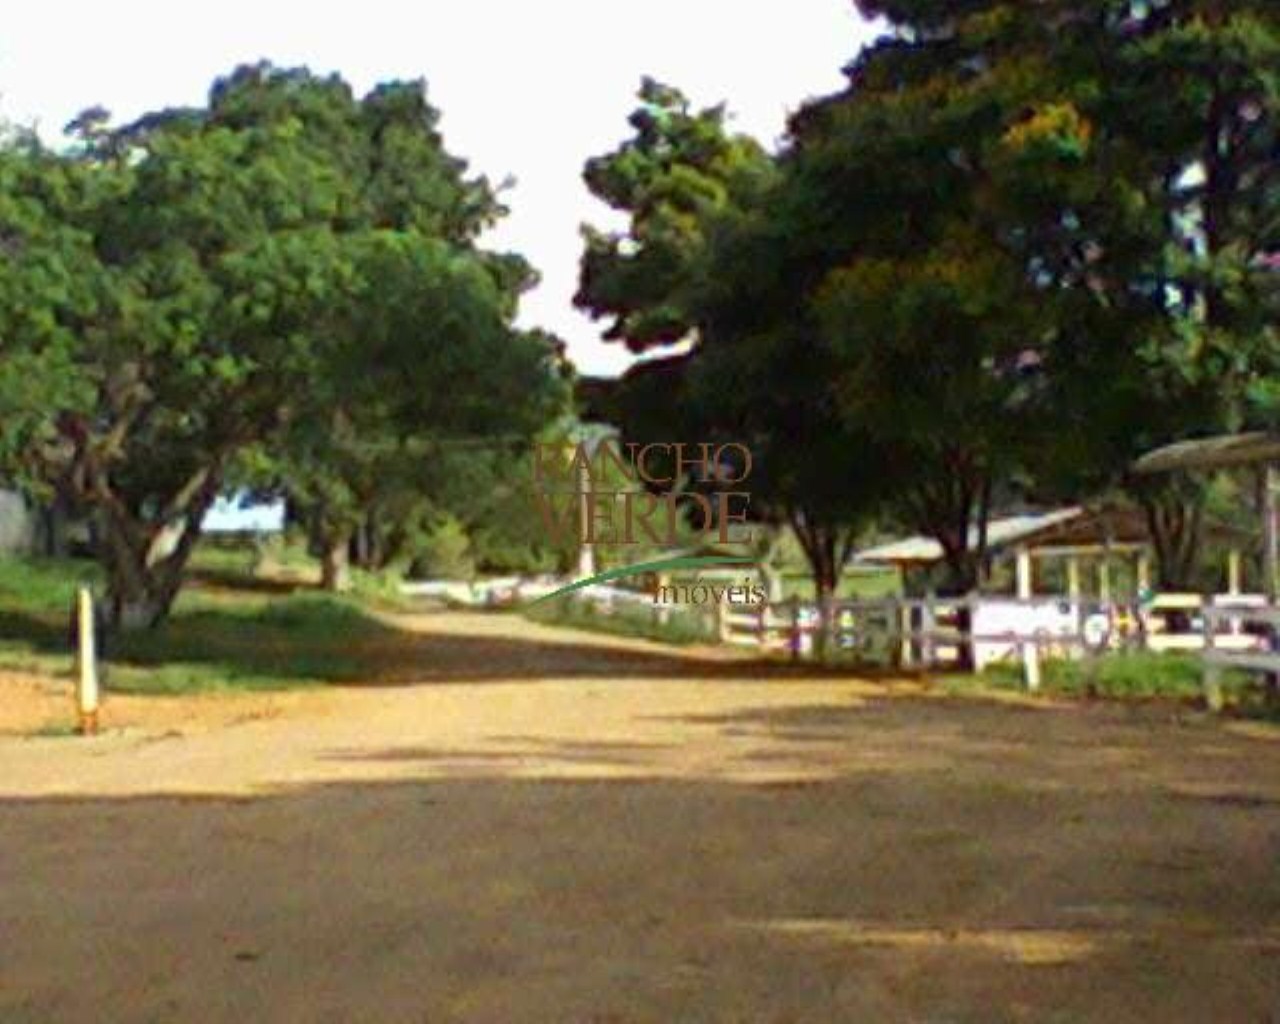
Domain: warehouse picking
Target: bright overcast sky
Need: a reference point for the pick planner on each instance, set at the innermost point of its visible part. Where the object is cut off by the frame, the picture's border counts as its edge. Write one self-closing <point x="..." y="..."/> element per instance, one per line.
<point x="529" y="89"/>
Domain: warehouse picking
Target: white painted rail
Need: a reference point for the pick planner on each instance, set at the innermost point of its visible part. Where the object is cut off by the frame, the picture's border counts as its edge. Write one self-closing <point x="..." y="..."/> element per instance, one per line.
<point x="1250" y="642"/>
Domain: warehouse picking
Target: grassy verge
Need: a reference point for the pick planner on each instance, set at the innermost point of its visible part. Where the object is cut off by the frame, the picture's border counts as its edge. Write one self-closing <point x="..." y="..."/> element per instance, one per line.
<point x="1123" y="676"/>
<point x="229" y="631"/>
<point x="638" y="620"/>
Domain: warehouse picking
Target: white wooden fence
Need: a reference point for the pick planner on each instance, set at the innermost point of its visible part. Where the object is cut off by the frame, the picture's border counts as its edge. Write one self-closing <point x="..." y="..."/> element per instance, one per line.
<point x="1243" y="638"/>
<point x="1233" y="631"/>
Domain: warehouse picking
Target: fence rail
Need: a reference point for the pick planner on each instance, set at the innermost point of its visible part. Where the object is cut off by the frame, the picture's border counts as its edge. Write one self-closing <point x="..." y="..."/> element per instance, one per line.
<point x="1262" y="624"/>
<point x="1233" y="631"/>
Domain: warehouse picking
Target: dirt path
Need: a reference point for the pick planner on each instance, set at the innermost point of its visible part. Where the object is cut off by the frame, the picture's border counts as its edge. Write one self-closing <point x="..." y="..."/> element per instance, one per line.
<point x="531" y="825"/>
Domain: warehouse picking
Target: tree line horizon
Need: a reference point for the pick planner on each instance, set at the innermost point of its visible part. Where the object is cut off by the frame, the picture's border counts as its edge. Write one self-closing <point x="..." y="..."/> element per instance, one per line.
<point x="1013" y="253"/>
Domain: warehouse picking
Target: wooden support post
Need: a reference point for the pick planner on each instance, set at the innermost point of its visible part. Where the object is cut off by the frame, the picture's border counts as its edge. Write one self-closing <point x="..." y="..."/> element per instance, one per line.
<point x="1144" y="573"/>
<point x="1104" y="580"/>
<point x="1026" y="577"/>
<point x="87" y="666"/>
<point x="586" y="550"/>
<point x="1073" y="578"/>
<point x="1235" y="581"/>
<point x="903" y="613"/>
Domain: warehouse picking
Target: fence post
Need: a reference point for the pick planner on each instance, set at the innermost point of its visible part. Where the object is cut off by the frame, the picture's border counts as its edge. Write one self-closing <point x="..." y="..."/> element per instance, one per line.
<point x="902" y="613"/>
<point x="661" y="580"/>
<point x="969" y="637"/>
<point x="722" y="622"/>
<point x="87" y="666"/>
<point x="1212" y="673"/>
<point x="1031" y="663"/>
<point x="928" y="618"/>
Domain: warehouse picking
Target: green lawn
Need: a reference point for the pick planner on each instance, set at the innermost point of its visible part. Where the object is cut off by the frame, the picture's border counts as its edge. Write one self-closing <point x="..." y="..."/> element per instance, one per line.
<point x="228" y="630"/>
<point x="682" y="626"/>
<point x="1125" y="676"/>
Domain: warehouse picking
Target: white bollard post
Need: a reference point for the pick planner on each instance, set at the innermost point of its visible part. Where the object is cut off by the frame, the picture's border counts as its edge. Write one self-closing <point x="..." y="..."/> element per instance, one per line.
<point x="87" y="674"/>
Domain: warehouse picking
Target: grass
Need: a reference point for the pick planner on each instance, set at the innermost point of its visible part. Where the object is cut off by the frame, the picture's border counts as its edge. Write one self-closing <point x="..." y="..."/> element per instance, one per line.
<point x="45" y="586"/>
<point x="683" y="627"/>
<point x="285" y="642"/>
<point x="1135" y="675"/>
<point x="229" y="631"/>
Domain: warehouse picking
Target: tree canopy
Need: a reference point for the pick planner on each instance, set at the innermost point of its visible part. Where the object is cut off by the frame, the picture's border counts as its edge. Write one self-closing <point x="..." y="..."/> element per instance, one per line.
<point x="1000" y="263"/>
<point x="290" y="270"/>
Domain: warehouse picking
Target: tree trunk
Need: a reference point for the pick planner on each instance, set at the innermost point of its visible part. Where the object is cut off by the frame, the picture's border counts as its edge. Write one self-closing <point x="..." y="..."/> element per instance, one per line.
<point x="144" y="578"/>
<point x="826" y="588"/>
<point x="143" y="540"/>
<point x="826" y="547"/>
<point x="335" y="568"/>
<point x="956" y="511"/>
<point x="1175" y="516"/>
<point x="360" y="548"/>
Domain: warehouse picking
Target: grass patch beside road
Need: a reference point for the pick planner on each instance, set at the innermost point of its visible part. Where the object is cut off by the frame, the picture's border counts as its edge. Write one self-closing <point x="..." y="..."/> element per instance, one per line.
<point x="639" y="620"/>
<point x="237" y="633"/>
<point x="1137" y="675"/>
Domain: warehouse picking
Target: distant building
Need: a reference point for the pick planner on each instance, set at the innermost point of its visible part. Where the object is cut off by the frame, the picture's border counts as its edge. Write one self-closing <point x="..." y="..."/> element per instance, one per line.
<point x="240" y="514"/>
<point x="19" y="525"/>
<point x="28" y="527"/>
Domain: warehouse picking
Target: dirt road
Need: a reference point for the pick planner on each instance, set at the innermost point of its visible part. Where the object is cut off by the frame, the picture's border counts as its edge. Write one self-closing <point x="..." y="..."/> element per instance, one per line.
<point x="533" y="825"/>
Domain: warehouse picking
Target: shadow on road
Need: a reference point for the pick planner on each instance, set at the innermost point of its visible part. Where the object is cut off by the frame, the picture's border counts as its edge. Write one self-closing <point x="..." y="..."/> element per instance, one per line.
<point x="894" y="896"/>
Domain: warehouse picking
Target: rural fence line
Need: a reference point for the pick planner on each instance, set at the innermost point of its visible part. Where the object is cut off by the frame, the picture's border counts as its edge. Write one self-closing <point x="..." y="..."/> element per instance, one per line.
<point x="1231" y="632"/>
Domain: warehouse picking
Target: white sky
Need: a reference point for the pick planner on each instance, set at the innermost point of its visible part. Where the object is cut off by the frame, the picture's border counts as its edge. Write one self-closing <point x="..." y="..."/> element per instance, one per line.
<point x="530" y="89"/>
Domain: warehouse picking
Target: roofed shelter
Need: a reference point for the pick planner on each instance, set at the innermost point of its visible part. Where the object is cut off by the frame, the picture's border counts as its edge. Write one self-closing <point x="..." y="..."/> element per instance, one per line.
<point x="1100" y="533"/>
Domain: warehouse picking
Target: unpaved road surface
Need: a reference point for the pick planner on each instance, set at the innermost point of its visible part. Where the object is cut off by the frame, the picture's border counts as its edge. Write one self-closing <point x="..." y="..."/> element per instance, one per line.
<point x="523" y="824"/>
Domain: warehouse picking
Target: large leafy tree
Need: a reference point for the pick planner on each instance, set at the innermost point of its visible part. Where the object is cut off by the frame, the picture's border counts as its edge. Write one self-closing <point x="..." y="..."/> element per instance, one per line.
<point x="431" y="382"/>
<point x="937" y="269"/>
<point x="695" y="265"/>
<point x="1127" y="169"/>
<point x="1012" y="248"/>
<point x="210" y="280"/>
<point x="1002" y="262"/>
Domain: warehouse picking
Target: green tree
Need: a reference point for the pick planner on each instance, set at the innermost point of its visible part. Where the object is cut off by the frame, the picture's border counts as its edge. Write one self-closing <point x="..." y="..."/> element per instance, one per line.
<point x="1026" y="249"/>
<point x="427" y="363"/>
<point x="700" y="263"/>
<point x="679" y="170"/>
<point x="201" y="284"/>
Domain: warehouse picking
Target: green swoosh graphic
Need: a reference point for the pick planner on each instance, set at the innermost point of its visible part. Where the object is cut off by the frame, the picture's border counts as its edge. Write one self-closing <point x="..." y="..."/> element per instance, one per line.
<point x="643" y="567"/>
